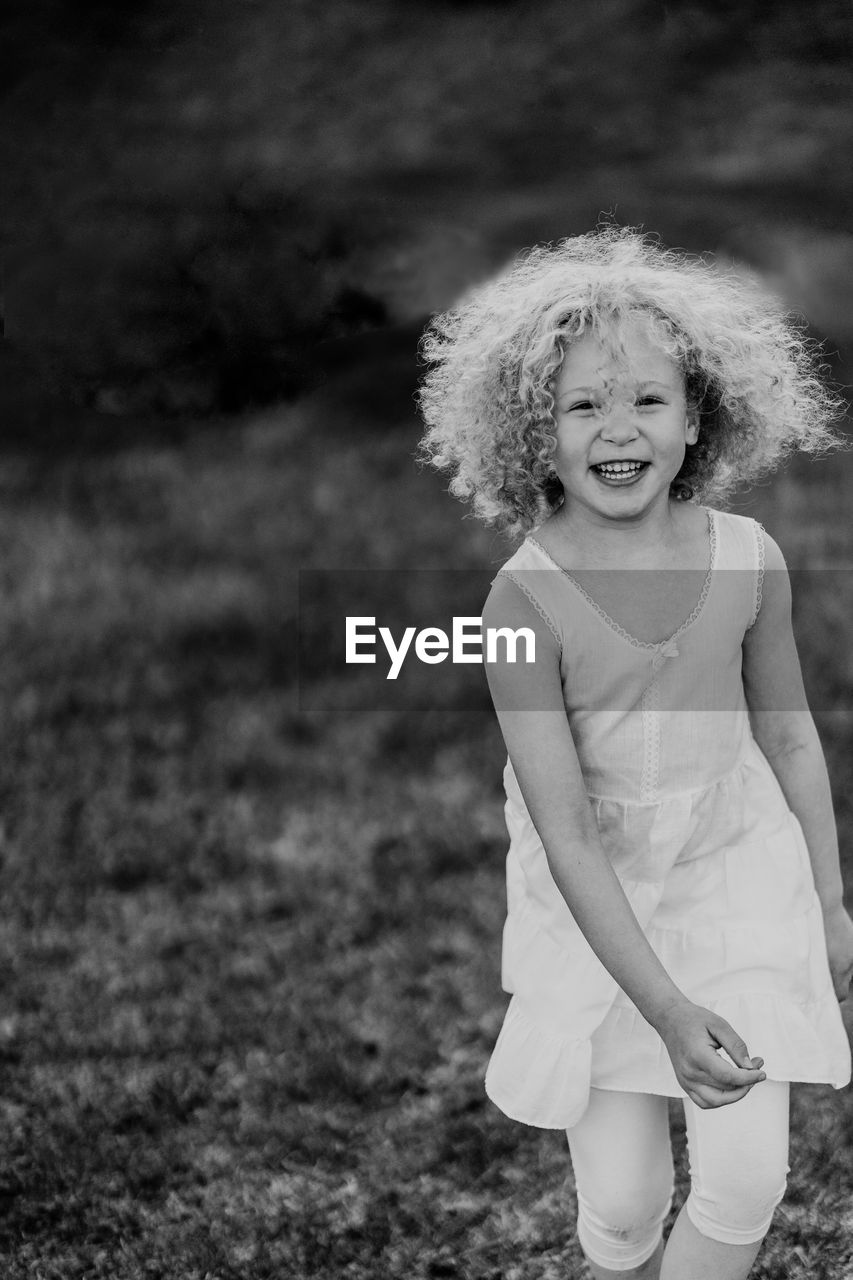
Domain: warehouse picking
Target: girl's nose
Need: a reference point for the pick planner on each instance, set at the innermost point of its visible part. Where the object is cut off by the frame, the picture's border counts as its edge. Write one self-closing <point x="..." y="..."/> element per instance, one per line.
<point x="619" y="424"/>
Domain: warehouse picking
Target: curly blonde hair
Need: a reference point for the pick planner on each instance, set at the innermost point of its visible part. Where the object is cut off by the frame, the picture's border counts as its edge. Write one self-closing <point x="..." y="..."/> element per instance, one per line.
<point x="751" y="374"/>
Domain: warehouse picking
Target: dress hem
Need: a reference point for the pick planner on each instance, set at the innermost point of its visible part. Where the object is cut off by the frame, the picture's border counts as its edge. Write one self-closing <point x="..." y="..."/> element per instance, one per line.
<point x="513" y="1112"/>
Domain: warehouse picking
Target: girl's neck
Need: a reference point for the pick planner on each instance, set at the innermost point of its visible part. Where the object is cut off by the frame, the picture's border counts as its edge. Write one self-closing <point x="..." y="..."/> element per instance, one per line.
<point x="658" y="538"/>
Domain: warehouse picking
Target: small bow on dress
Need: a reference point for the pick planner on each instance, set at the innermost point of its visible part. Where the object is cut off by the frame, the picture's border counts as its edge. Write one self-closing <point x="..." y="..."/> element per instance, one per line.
<point x="669" y="649"/>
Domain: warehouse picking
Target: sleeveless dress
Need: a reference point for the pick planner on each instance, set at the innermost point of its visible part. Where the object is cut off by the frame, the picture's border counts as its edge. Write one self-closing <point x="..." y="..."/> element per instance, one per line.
<point x="710" y="856"/>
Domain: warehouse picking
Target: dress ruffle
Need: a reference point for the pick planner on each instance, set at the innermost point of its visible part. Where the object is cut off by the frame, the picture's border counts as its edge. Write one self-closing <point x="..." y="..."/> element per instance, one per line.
<point x="739" y="929"/>
<point x="542" y="1078"/>
<point x="536" y="1076"/>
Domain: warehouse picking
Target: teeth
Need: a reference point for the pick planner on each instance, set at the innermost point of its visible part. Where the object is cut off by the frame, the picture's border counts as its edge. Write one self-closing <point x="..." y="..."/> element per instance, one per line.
<point x="618" y="468"/>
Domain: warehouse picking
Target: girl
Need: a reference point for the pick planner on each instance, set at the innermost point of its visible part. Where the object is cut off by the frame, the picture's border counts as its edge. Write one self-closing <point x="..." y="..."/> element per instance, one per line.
<point x="674" y="892"/>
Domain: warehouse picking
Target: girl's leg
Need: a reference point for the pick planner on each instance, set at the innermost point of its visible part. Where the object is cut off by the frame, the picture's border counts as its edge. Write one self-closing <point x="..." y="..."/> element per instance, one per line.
<point x="622" y="1160"/>
<point x="738" y="1164"/>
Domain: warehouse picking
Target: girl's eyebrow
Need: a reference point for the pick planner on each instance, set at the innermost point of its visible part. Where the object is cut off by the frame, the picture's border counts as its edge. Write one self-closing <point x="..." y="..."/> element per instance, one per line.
<point x="591" y="391"/>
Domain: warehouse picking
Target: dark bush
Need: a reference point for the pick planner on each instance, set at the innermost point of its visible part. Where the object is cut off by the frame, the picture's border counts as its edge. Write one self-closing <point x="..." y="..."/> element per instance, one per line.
<point x="136" y="307"/>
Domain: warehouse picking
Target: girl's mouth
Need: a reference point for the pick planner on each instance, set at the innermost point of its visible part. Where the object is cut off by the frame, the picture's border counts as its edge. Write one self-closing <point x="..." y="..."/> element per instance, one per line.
<point x="619" y="473"/>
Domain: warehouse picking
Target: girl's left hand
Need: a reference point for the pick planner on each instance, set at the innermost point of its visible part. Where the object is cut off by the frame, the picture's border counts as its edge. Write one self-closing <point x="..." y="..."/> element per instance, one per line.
<point x="838" y="928"/>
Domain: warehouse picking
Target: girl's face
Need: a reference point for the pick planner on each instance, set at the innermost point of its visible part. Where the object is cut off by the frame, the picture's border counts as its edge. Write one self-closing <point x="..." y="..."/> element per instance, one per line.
<point x="622" y="425"/>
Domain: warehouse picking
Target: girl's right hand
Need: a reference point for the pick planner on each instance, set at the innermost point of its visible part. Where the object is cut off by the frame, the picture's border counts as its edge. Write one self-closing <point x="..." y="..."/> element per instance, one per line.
<point x="692" y="1036"/>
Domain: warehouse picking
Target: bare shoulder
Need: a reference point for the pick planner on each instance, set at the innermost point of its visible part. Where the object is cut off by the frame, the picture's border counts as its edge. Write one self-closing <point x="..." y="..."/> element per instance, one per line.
<point x="775" y="607"/>
<point x="773" y="555"/>
<point x="772" y="678"/>
<point x="511" y="603"/>
<point x="771" y="634"/>
<point x="516" y="682"/>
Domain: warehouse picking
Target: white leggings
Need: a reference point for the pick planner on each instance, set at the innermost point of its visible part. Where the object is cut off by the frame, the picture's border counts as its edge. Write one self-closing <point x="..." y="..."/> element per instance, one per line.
<point x="623" y="1168"/>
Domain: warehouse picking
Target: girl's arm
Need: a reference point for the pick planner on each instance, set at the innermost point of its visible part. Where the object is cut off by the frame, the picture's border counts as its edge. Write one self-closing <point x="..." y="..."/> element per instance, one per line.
<point x="785" y="730"/>
<point x="528" y="700"/>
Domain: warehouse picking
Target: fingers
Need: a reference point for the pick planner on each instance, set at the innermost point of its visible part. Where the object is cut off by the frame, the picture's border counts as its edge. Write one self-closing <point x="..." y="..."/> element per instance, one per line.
<point x="722" y="1074"/>
<point x="714" y="1081"/>
<point x="706" y="1097"/>
<point x="727" y="1038"/>
<point x="697" y="1044"/>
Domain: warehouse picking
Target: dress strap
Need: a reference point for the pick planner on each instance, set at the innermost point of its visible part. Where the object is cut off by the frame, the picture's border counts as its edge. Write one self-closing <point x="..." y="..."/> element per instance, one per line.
<point x="518" y="579"/>
<point x="758" y="537"/>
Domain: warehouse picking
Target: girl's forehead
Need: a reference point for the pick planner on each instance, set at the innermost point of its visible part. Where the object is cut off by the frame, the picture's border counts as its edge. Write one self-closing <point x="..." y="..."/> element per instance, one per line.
<point x="627" y="356"/>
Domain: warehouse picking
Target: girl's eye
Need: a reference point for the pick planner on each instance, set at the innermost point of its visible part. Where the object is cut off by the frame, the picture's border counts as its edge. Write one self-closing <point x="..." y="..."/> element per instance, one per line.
<point x="650" y="400"/>
<point x="581" y="404"/>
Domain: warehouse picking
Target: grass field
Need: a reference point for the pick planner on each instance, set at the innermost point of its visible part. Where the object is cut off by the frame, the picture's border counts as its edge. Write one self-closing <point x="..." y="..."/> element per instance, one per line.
<point x="251" y="954"/>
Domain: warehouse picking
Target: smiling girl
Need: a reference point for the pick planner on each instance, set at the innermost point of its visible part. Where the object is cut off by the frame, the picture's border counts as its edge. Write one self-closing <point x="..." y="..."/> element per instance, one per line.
<point x="674" y="892"/>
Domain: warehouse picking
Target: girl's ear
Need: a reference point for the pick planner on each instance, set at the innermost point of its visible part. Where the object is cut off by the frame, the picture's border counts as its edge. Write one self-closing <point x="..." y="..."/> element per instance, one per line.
<point x="691" y="426"/>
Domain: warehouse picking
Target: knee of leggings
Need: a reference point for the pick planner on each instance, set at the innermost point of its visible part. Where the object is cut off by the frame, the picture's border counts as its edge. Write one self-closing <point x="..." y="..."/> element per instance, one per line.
<point x="740" y="1209"/>
<point x="624" y="1234"/>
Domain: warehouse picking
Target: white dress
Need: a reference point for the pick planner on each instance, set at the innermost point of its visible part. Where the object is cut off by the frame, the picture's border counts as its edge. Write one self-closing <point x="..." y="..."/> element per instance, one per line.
<point x="709" y="854"/>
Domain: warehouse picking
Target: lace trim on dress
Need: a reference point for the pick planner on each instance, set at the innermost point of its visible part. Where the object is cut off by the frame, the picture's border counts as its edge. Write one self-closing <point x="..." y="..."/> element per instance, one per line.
<point x="650" y="778"/>
<point x="758" y="533"/>
<point x="509" y="573"/>
<point x="620" y="630"/>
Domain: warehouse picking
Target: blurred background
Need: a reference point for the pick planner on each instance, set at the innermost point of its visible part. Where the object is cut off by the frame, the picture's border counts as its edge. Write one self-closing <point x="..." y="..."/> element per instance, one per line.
<point x="250" y="944"/>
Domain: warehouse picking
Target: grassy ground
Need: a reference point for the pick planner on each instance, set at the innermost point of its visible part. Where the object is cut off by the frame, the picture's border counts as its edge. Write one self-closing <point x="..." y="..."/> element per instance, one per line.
<point x="250" y="954"/>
